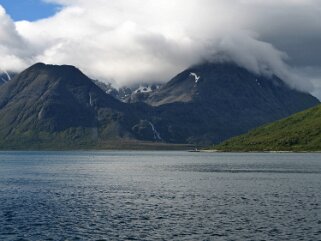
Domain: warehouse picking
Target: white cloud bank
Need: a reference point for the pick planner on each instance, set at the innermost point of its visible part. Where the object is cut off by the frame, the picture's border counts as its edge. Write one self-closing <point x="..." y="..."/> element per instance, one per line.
<point x="130" y="41"/>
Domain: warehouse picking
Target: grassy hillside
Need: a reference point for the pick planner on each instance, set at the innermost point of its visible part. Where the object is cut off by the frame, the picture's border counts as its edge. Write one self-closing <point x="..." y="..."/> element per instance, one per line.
<point x="80" y="139"/>
<point x="299" y="132"/>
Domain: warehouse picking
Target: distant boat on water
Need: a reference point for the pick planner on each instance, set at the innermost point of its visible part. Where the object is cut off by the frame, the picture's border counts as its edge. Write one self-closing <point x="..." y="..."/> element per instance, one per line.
<point x="195" y="150"/>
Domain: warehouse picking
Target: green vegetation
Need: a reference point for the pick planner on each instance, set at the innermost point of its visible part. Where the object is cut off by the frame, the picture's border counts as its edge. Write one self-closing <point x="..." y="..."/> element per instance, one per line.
<point x="70" y="139"/>
<point x="299" y="132"/>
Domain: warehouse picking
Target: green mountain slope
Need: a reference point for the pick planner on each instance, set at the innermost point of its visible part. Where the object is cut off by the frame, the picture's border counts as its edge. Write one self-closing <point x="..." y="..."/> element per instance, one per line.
<point x="57" y="107"/>
<point x="299" y="132"/>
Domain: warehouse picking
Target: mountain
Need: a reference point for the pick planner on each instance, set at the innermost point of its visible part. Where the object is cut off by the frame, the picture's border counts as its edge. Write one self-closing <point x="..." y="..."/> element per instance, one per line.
<point x="128" y="94"/>
<point x="107" y="87"/>
<point x="48" y="105"/>
<point x="299" y="132"/>
<point x="209" y="103"/>
<point x="5" y="77"/>
<point x="121" y="94"/>
<point x="142" y="93"/>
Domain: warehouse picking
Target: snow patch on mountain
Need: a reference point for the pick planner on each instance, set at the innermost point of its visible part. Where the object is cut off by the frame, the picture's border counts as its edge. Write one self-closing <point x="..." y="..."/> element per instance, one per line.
<point x="143" y="89"/>
<point x="8" y="75"/>
<point x="196" y="77"/>
<point x="5" y="77"/>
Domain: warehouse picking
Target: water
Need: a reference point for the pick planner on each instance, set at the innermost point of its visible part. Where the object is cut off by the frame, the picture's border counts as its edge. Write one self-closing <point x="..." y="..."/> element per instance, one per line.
<point x="159" y="196"/>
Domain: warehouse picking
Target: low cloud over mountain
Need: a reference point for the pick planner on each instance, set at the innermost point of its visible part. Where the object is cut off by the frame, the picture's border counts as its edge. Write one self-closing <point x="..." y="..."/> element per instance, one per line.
<point x="130" y="41"/>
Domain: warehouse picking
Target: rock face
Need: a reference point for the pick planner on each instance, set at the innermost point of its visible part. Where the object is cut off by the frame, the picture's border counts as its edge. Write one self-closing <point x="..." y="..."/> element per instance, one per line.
<point x="211" y="102"/>
<point x="299" y="132"/>
<point x="58" y="106"/>
<point x="5" y="77"/>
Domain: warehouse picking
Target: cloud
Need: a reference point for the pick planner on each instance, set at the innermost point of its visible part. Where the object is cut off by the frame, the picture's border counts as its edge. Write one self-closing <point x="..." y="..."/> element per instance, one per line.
<point x="131" y="41"/>
<point x="12" y="46"/>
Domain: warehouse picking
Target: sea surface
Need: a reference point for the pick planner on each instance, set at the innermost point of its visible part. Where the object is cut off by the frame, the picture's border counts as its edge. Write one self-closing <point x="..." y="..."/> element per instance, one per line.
<point x="159" y="196"/>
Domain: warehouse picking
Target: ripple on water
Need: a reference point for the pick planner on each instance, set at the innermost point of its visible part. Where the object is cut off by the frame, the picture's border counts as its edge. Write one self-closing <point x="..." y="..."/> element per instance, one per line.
<point x="159" y="196"/>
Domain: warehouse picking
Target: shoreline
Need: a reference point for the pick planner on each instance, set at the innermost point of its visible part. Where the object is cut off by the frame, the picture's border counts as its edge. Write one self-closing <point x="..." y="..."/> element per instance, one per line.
<point x="220" y="151"/>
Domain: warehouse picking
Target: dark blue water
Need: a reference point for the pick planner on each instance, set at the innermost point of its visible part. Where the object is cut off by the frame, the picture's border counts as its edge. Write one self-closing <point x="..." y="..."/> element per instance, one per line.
<point x="159" y="196"/>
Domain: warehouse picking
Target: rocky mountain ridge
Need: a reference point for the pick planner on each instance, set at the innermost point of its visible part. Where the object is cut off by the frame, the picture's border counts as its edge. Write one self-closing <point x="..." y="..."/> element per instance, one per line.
<point x="48" y="104"/>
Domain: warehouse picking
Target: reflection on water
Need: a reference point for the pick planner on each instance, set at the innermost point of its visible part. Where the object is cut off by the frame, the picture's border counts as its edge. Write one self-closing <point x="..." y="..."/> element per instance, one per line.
<point x="159" y="196"/>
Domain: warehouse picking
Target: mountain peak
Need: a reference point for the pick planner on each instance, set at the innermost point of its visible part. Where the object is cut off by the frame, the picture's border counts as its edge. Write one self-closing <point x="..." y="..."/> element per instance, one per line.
<point x="56" y="70"/>
<point x="41" y="65"/>
<point x="222" y="100"/>
<point x="215" y="82"/>
<point x="54" y="104"/>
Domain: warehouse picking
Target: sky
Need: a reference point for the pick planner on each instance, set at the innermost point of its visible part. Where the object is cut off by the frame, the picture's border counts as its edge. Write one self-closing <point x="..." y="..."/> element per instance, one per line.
<point x="133" y="41"/>
<point x="29" y="9"/>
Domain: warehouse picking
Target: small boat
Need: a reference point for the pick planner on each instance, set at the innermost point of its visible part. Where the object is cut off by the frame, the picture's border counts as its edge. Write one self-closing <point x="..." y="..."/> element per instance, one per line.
<point x="195" y="150"/>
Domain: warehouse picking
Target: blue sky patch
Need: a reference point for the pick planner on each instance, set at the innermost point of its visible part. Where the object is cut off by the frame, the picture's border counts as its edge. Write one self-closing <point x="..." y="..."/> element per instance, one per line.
<point x="29" y="9"/>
